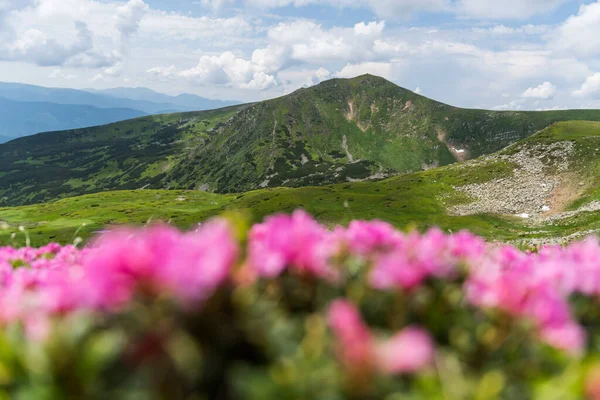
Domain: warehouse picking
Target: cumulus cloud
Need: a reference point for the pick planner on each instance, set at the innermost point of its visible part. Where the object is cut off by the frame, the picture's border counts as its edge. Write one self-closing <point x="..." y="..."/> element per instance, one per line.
<point x="57" y="33"/>
<point x="544" y="91"/>
<point x="589" y="88"/>
<point x="385" y="70"/>
<point x="308" y="42"/>
<point x="225" y="69"/>
<point x="112" y="71"/>
<point x="163" y="71"/>
<point x="129" y="16"/>
<point x="37" y="47"/>
<point x="291" y="44"/>
<point x="580" y="34"/>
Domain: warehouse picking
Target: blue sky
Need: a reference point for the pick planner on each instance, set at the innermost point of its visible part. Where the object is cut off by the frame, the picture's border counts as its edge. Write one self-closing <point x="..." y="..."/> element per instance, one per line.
<point x="509" y="54"/>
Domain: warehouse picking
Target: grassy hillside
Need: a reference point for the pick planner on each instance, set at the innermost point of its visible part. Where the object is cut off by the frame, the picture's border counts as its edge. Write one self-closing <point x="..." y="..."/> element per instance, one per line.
<point x="423" y="199"/>
<point x="339" y="131"/>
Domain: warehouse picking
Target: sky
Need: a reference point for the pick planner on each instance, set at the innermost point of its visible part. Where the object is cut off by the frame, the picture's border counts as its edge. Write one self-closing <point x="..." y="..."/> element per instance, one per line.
<point x="494" y="54"/>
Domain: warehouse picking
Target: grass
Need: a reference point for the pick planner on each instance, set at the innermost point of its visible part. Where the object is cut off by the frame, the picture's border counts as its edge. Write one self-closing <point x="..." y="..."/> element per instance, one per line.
<point x="419" y="200"/>
<point x="405" y="201"/>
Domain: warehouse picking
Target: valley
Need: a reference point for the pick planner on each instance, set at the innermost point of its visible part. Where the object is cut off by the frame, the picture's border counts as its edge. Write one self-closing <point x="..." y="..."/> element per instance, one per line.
<point x="346" y="149"/>
<point x="489" y="196"/>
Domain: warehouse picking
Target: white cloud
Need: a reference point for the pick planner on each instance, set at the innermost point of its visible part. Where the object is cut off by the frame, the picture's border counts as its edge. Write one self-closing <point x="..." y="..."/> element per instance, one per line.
<point x="111" y="72"/>
<point x="544" y="91"/>
<point x="503" y="30"/>
<point x="260" y="81"/>
<point x="386" y="9"/>
<point x="513" y="105"/>
<point x="163" y="71"/>
<point x="580" y="34"/>
<point x="591" y="87"/>
<point x="382" y="8"/>
<point x="385" y="70"/>
<point x="37" y="47"/>
<point x="322" y="73"/>
<point x="372" y="29"/>
<point x="309" y="42"/>
<point x="271" y="58"/>
<point x="129" y="16"/>
<point x="506" y="9"/>
<point x="60" y="74"/>
<point x="160" y="25"/>
<point x="225" y="69"/>
<point x="418" y="90"/>
<point x="55" y="33"/>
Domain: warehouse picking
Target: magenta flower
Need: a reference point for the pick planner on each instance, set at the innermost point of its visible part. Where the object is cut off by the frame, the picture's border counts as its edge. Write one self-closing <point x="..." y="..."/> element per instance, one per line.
<point x="354" y="342"/>
<point x="569" y="337"/>
<point x="366" y="237"/>
<point x="409" y="351"/>
<point x="296" y="241"/>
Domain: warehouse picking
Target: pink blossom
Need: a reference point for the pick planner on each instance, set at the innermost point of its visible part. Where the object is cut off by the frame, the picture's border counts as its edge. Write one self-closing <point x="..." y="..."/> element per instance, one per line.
<point x="569" y="337"/>
<point x="295" y="241"/>
<point x="396" y="269"/>
<point x="354" y="342"/>
<point x="409" y="351"/>
<point x="365" y="237"/>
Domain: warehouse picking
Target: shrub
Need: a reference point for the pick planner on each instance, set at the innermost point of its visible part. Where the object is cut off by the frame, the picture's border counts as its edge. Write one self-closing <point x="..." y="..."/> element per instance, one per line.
<point x="292" y="310"/>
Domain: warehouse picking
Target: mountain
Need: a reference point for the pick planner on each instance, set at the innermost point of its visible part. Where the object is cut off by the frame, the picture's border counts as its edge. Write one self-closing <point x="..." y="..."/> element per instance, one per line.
<point x="25" y="118"/>
<point x="117" y="98"/>
<point x="182" y="102"/>
<point x="342" y="130"/>
<point x="551" y="177"/>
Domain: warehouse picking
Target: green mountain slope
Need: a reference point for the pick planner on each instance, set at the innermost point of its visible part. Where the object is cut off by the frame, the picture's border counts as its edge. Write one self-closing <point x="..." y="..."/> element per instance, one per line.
<point x="557" y="167"/>
<point x="339" y="131"/>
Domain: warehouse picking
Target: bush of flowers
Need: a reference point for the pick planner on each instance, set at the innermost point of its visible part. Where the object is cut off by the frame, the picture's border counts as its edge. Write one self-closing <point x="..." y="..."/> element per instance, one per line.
<point x="289" y="309"/>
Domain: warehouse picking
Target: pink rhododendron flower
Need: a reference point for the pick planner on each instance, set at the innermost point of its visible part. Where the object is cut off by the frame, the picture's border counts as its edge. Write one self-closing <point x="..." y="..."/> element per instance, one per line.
<point x="296" y="241"/>
<point x="409" y="351"/>
<point x="569" y="337"/>
<point x="413" y="259"/>
<point x="354" y="342"/>
<point x="365" y="237"/>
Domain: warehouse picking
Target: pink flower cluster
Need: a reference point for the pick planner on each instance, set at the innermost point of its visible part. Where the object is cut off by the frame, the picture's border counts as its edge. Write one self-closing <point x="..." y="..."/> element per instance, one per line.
<point x="399" y="260"/>
<point x="296" y="241"/>
<point x="187" y="267"/>
<point x="106" y="276"/>
<point x="538" y="286"/>
<point x="408" y="351"/>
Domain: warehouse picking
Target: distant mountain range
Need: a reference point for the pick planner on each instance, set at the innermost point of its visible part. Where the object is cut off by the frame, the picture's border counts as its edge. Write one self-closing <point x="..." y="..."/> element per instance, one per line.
<point x="20" y="118"/>
<point x="30" y="109"/>
<point x="182" y="102"/>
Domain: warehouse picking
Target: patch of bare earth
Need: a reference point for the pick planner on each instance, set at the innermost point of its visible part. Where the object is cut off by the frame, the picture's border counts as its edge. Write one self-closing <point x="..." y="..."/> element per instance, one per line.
<point x="351" y="115"/>
<point x="459" y="154"/>
<point x="569" y="190"/>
